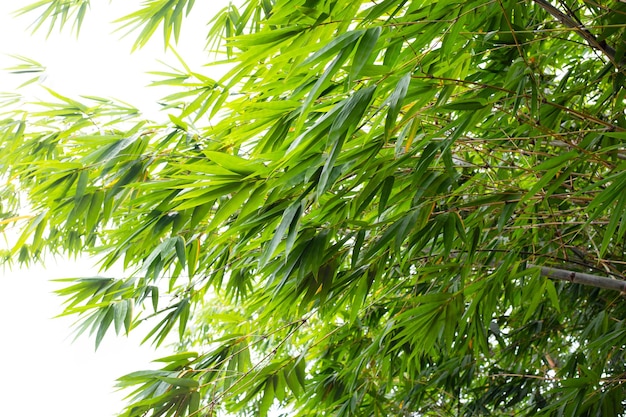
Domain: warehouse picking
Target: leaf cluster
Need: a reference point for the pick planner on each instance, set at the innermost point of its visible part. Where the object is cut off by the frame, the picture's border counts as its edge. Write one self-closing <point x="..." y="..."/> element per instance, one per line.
<point x="344" y="223"/>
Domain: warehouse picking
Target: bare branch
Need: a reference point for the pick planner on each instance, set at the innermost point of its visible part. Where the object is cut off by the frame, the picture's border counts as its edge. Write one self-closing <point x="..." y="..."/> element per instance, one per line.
<point x="582" y="278"/>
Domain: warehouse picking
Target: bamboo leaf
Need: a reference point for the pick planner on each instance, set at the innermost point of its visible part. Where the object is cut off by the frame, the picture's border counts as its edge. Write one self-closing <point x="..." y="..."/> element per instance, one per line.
<point x="349" y="115"/>
<point x="364" y="50"/>
<point x="344" y="42"/>
<point x="288" y="217"/>
<point x="395" y="103"/>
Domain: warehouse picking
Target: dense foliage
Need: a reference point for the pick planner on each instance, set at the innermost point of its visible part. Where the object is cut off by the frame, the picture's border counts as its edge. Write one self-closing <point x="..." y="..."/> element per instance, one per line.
<point x="352" y="220"/>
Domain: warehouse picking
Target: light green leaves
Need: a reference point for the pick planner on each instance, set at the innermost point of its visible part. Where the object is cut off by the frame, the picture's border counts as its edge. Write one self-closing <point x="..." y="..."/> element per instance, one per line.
<point x="27" y="66"/>
<point x="343" y="223"/>
<point x="345" y="42"/>
<point x="289" y="220"/>
<point x="58" y="11"/>
<point x="395" y="103"/>
<point x="234" y="163"/>
<point x="102" y="301"/>
<point x="340" y="48"/>
<point x="363" y="53"/>
<point x="349" y="116"/>
<point x="168" y="13"/>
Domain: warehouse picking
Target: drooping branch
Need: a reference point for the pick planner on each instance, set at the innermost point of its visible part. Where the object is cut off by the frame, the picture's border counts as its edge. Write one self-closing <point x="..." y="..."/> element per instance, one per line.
<point x="583" y="278"/>
<point x="580" y="29"/>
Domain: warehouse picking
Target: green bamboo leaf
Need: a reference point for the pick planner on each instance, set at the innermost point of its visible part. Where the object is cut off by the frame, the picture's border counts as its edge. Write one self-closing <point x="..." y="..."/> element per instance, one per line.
<point x="535" y="299"/>
<point x="183" y="317"/>
<point x="194" y="403"/>
<point x="129" y="315"/>
<point x="182" y="356"/>
<point x="507" y="212"/>
<point x="405" y="225"/>
<point x="268" y="398"/>
<point x="383" y="9"/>
<point x="192" y="257"/>
<point x="397" y="228"/>
<point x="292" y="382"/>
<point x="300" y="370"/>
<point x="552" y="294"/>
<point x="556" y="161"/>
<point x="154" y="293"/>
<point x="279" y="386"/>
<point x="120" y="311"/>
<point x="180" y="250"/>
<point x="616" y="135"/>
<point x="321" y="83"/>
<point x="395" y="103"/>
<point x="541" y="182"/>
<point x="28" y="230"/>
<point x="361" y="189"/>
<point x="265" y="37"/>
<point x="450" y="40"/>
<point x="226" y="210"/>
<point x="471" y="104"/>
<point x="358" y="244"/>
<point x="94" y="211"/>
<point x="449" y="232"/>
<point x="254" y="202"/>
<point x="351" y="112"/>
<point x="360" y="297"/>
<point x="234" y="163"/>
<point x="504" y="197"/>
<point x="104" y="323"/>
<point x="178" y="123"/>
<point x="189" y="200"/>
<point x="288" y="217"/>
<point x="364" y="50"/>
<point x="385" y="193"/>
<point x="179" y="382"/>
<point x="344" y="42"/>
<point x="133" y="377"/>
<point x="293" y="230"/>
<point x="81" y="185"/>
<point x="616" y="219"/>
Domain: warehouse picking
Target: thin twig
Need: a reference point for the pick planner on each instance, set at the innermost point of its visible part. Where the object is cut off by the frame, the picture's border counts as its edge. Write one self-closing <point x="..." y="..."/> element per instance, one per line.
<point x="582" y="30"/>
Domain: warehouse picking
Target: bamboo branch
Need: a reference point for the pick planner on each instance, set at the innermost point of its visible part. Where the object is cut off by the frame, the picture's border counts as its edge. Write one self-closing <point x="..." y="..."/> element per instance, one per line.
<point x="582" y="31"/>
<point x="583" y="278"/>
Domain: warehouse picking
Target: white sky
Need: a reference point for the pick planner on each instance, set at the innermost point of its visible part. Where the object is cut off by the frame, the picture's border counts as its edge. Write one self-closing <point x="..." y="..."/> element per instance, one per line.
<point x="99" y="62"/>
<point x="44" y="373"/>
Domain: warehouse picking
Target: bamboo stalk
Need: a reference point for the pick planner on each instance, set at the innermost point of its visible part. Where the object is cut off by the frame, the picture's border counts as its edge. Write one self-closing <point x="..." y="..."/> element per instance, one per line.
<point x="583" y="278"/>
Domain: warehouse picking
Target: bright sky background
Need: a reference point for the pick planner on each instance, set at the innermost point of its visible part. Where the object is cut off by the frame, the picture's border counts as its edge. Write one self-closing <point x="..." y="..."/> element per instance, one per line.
<point x="44" y="373"/>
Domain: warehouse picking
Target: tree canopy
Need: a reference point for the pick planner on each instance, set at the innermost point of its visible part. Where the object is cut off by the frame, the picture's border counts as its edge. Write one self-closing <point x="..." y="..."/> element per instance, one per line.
<point x="391" y="207"/>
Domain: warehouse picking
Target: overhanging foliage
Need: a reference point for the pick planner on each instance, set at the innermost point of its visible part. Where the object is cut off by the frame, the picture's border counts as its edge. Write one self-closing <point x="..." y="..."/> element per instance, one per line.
<point x="361" y="217"/>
